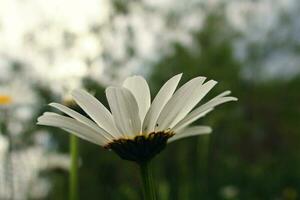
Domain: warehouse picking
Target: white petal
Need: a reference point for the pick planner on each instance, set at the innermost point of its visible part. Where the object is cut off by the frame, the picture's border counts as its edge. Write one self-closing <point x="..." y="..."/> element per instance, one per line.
<point x="183" y="101"/>
<point x="77" y="128"/>
<point x="125" y="110"/>
<point x="162" y="97"/>
<point x="191" y="131"/>
<point x="223" y="94"/>
<point x="182" y="124"/>
<point x="138" y="86"/>
<point x="80" y="118"/>
<point x="202" y="110"/>
<point x="96" y="110"/>
<point x="50" y="114"/>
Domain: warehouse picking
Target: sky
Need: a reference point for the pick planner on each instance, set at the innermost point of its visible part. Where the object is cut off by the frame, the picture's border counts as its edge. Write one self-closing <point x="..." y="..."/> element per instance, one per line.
<point x="58" y="42"/>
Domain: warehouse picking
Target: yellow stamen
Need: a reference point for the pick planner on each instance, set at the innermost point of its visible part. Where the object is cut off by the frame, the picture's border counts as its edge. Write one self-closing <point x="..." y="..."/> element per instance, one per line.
<point x="5" y="100"/>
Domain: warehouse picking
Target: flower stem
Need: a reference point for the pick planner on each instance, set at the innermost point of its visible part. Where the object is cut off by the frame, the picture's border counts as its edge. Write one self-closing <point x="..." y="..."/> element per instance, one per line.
<point x="148" y="184"/>
<point x="74" y="168"/>
<point x="8" y="164"/>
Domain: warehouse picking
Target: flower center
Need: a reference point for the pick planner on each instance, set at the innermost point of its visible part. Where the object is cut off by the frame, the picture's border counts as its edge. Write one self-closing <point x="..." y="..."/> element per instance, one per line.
<point x="141" y="148"/>
<point x="5" y="100"/>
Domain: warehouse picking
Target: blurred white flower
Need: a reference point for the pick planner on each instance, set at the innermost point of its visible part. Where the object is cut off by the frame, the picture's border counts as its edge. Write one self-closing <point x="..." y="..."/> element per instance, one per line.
<point x="229" y="192"/>
<point x="18" y="93"/>
<point x="5" y="100"/>
<point x="21" y="176"/>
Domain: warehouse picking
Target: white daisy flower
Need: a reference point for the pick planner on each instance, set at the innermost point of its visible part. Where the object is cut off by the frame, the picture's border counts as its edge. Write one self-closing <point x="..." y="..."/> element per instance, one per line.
<point x="135" y="128"/>
<point x="5" y="100"/>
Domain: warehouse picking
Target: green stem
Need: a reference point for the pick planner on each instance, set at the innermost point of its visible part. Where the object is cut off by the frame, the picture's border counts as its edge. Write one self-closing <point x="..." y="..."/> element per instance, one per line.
<point x="9" y="167"/>
<point x="148" y="184"/>
<point x="74" y="168"/>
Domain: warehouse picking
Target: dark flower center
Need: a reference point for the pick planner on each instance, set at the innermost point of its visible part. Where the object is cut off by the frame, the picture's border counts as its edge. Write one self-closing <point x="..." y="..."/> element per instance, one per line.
<point x="141" y="148"/>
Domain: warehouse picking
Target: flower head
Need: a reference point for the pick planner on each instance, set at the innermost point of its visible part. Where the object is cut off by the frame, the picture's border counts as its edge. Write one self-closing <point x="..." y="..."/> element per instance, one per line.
<point x="5" y="100"/>
<point x="135" y="128"/>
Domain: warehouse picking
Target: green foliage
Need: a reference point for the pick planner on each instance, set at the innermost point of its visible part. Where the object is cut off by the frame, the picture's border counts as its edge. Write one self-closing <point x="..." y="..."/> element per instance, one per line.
<point x="254" y="145"/>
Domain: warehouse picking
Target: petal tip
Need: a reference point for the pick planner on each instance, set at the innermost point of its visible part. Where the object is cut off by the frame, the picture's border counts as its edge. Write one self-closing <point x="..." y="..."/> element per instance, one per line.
<point x="234" y="99"/>
<point x="111" y="88"/>
<point x="209" y="130"/>
<point x="180" y="74"/>
<point x="53" y="104"/>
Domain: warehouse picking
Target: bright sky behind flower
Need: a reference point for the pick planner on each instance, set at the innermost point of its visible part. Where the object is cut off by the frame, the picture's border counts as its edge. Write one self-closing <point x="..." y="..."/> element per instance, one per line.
<point x="54" y="39"/>
<point x="35" y="33"/>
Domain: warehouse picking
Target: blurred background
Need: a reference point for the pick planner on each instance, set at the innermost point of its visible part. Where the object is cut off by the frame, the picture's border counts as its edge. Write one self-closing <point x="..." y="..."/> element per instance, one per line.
<point x="251" y="47"/>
